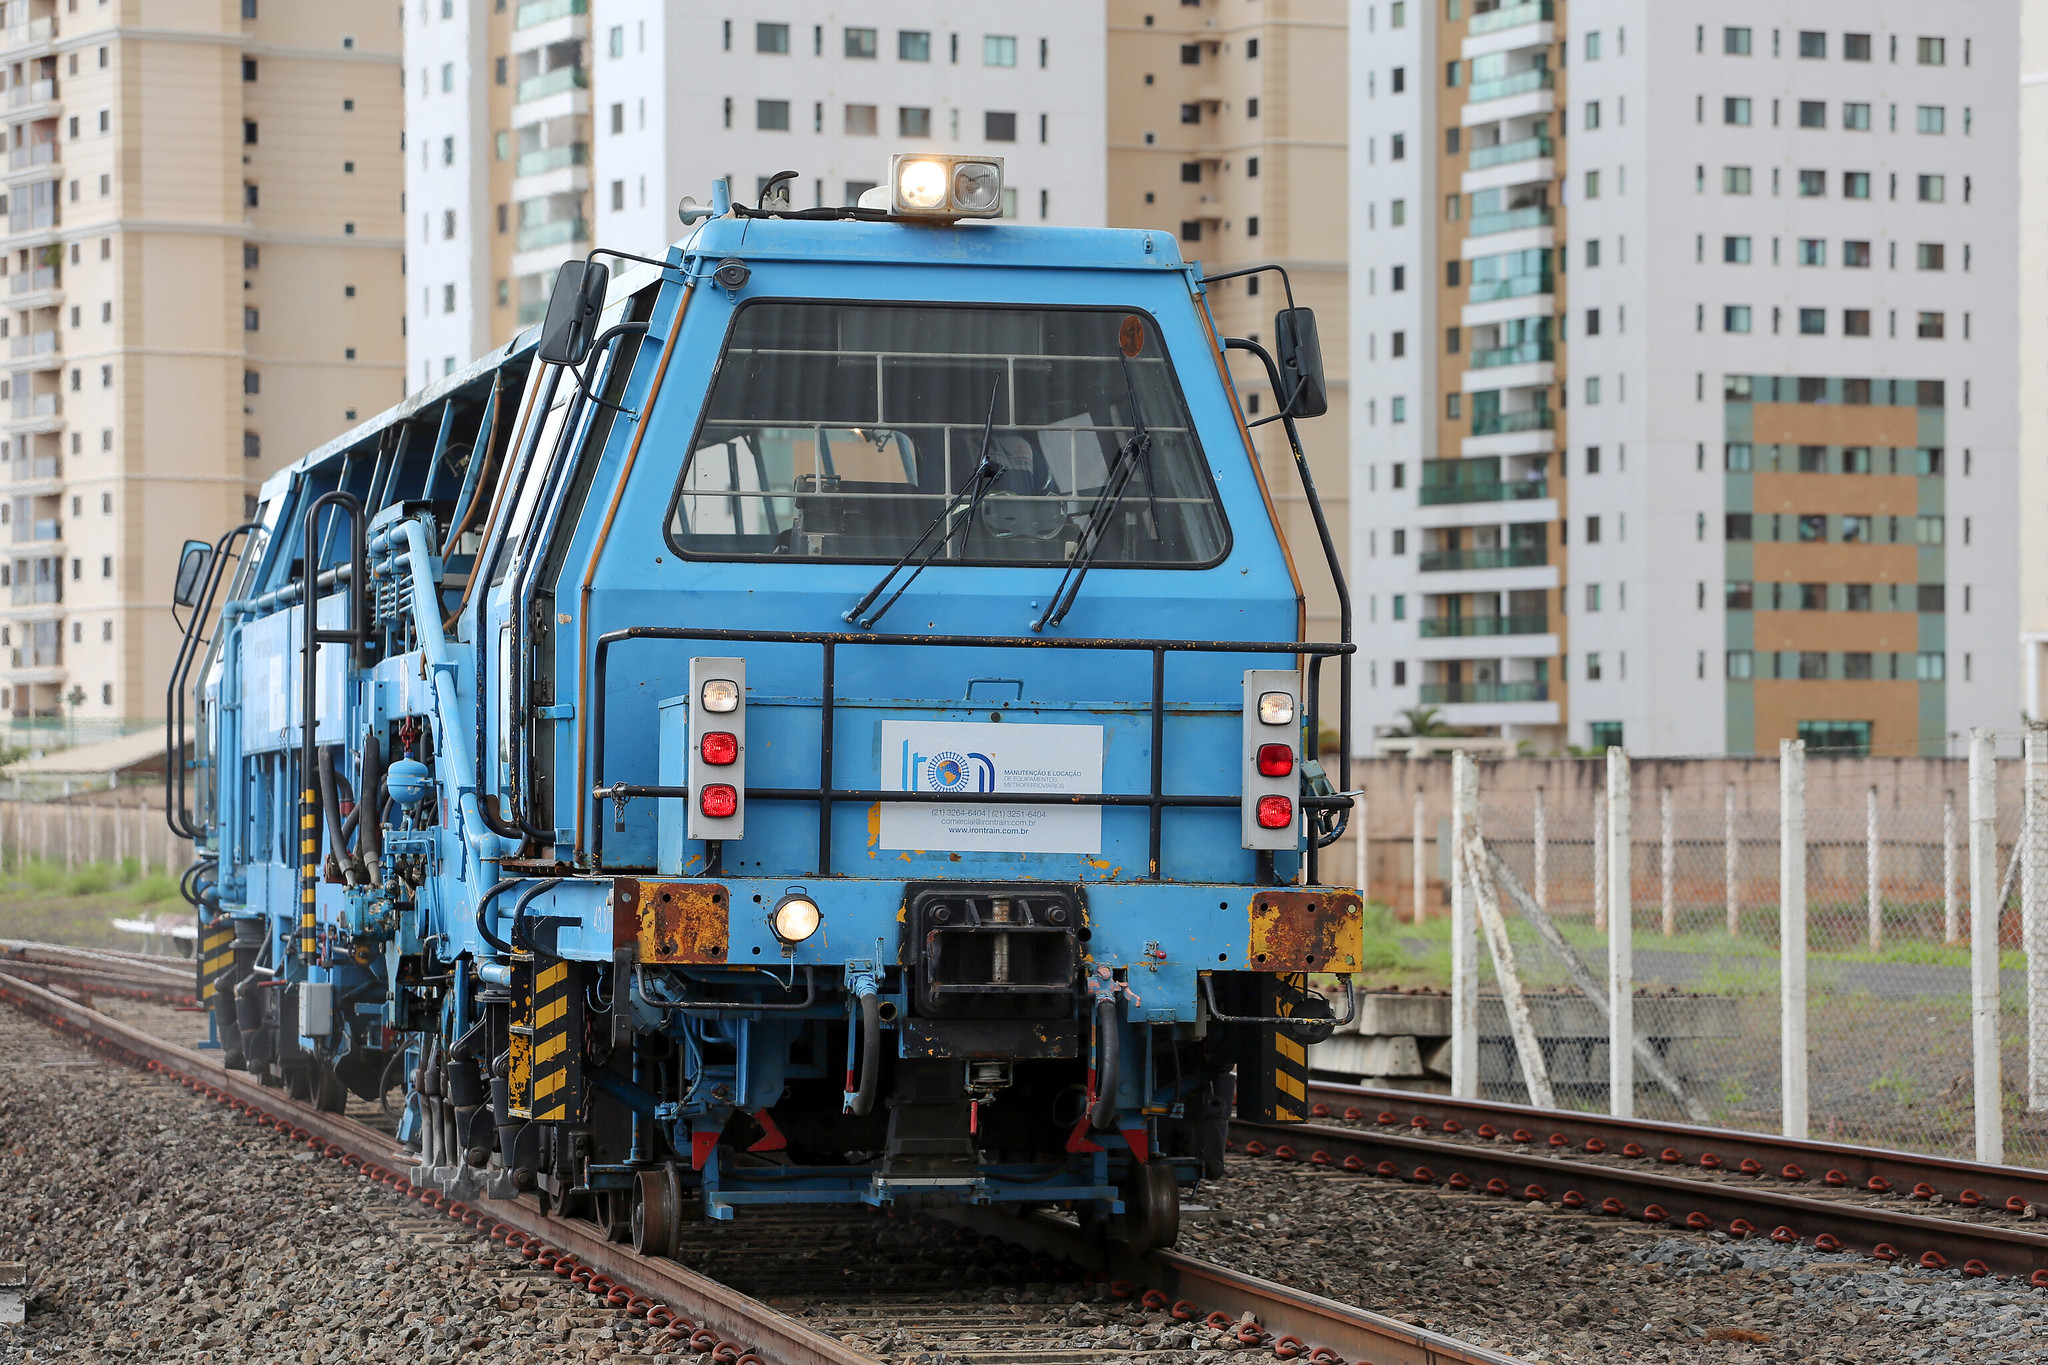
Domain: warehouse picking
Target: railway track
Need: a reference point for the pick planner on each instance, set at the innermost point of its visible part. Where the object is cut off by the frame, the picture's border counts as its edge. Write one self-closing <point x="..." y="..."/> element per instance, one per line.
<point x="1895" y="1206"/>
<point x="839" y="1289"/>
<point x="84" y="973"/>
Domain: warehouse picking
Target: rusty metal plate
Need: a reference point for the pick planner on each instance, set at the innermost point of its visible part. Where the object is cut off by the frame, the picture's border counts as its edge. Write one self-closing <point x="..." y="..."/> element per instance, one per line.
<point x="678" y="922"/>
<point x="1306" y="931"/>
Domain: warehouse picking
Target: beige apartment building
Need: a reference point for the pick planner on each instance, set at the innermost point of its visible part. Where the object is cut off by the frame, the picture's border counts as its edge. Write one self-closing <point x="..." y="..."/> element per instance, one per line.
<point x="1227" y="126"/>
<point x="202" y="274"/>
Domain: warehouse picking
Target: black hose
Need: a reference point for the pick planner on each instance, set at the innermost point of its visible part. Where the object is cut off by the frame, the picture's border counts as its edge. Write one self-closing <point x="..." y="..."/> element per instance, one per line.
<point x="370" y="805"/>
<point x="330" y="806"/>
<point x="1108" y="1064"/>
<point x="483" y="913"/>
<point x="870" y="1055"/>
<point x="519" y="938"/>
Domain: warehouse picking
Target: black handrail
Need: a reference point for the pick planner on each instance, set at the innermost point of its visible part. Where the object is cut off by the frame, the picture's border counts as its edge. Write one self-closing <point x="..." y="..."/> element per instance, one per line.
<point x="356" y="635"/>
<point x="175" y="813"/>
<point x="826" y="794"/>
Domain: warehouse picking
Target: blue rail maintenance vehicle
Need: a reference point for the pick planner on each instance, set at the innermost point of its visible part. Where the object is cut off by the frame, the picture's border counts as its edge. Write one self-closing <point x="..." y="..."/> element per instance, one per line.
<point x="821" y="718"/>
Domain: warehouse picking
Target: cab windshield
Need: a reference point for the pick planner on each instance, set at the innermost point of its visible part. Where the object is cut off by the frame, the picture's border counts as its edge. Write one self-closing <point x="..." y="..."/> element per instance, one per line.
<point x="841" y="432"/>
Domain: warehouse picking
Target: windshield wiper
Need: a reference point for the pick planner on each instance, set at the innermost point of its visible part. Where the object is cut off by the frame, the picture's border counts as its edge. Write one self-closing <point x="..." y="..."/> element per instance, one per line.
<point x="984" y="474"/>
<point x="1133" y="455"/>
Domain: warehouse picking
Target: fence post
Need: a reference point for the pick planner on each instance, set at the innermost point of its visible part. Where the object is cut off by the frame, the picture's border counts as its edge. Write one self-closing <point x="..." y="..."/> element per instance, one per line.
<point x="1669" y="864"/>
<point x="1792" y="933"/>
<point x="1542" y="854"/>
<point x="1600" y="865"/>
<point x="70" y="837"/>
<point x="1464" y="933"/>
<point x="2034" y="917"/>
<point x="1873" y="890"/>
<point x="1985" y="911"/>
<point x="1951" y="914"/>
<point x="1621" y="985"/>
<point x="1731" y="857"/>
<point x="1421" y="876"/>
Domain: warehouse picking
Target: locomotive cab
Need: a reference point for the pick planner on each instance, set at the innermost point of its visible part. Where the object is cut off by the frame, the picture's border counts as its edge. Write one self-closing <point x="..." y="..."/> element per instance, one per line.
<point x="824" y="718"/>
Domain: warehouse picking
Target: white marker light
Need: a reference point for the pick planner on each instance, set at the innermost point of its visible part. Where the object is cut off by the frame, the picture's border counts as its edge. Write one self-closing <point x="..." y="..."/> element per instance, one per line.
<point x="1276" y="708"/>
<point x="721" y="695"/>
<point x="921" y="184"/>
<point x="977" y="186"/>
<point x="795" y="918"/>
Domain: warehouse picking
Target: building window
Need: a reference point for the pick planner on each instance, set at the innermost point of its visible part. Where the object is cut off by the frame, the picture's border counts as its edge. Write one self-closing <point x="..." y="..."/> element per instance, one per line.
<point x="1190" y="230"/>
<point x="771" y="116"/>
<point x="1813" y="45"/>
<point x="860" y="120"/>
<point x="248" y="132"/>
<point x="1813" y="251"/>
<point x="1931" y="118"/>
<point x="913" y="45"/>
<point x="1855" y="322"/>
<point x="997" y="50"/>
<point x="998" y="127"/>
<point x="1735" y="110"/>
<point x="1735" y="41"/>
<point x="1813" y="184"/>
<point x="913" y="122"/>
<point x="1856" y="255"/>
<point x="1813" y="114"/>
<point x="1933" y="189"/>
<point x="1735" y="180"/>
<point x="1593" y="671"/>
<point x="1191" y="113"/>
<point x="1190" y="54"/>
<point x="1932" y="326"/>
<point x="1855" y="47"/>
<point x="249" y="195"/>
<point x="1735" y="250"/>
<point x="1735" y="318"/>
<point x="248" y="68"/>
<point x="1813" y="322"/>
<point x="1737" y="526"/>
<point x="1932" y="256"/>
<point x="1933" y="52"/>
<point x="771" y="38"/>
<point x="1855" y="184"/>
<point x="1856" y="118"/>
<point x="1251" y="226"/>
<point x="1251" y="107"/>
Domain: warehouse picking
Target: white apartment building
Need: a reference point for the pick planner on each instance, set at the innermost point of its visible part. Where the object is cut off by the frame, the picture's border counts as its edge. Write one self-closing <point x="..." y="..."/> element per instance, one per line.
<point x="2033" y="341"/>
<point x="1684" y="401"/>
<point x="545" y="129"/>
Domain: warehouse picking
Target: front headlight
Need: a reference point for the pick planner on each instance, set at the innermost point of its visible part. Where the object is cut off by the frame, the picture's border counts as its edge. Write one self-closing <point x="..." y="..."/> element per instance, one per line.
<point x="1276" y="708"/>
<point x="933" y="185"/>
<point x="795" y="918"/>
<point x="721" y="695"/>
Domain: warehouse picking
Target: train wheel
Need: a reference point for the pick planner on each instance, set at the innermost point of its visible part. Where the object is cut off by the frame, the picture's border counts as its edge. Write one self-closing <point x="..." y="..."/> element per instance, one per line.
<point x="657" y="1206"/>
<point x="1151" y="1207"/>
<point x="298" y="1083"/>
<point x="615" y="1214"/>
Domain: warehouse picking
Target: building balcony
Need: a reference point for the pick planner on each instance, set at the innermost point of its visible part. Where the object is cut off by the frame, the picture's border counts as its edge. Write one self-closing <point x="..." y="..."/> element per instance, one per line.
<point x="553" y="234"/>
<point x="540" y="11"/>
<point x="33" y="281"/>
<point x="1520" y="83"/>
<point x="31" y="93"/>
<point x="31" y="33"/>
<point x="46" y="530"/>
<point x="32" y="344"/>
<point x="1451" y="694"/>
<point x="37" y="468"/>
<point x="1501" y="423"/>
<point x="1488" y="557"/>
<point x="1486" y="224"/>
<point x="1465" y="627"/>
<point x="29" y="407"/>
<point x="32" y="155"/>
<point x="1510" y="16"/>
<point x="1502" y="153"/>
<point x="546" y="159"/>
<point x="37" y="594"/>
<point x="552" y="83"/>
<point x="1522" y="353"/>
<point x="1495" y="490"/>
<point x="1512" y="287"/>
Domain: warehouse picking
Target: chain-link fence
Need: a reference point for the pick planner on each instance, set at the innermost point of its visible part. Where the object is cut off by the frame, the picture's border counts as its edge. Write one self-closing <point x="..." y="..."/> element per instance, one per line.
<point x="1888" y="916"/>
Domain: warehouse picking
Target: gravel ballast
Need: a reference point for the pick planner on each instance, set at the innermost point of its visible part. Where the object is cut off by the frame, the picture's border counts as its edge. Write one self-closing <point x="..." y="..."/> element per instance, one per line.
<point x="157" y="1228"/>
<point x="1550" y="1285"/>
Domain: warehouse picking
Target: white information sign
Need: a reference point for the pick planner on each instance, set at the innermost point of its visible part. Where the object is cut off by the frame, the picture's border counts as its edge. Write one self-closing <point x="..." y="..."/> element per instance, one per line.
<point x="969" y="757"/>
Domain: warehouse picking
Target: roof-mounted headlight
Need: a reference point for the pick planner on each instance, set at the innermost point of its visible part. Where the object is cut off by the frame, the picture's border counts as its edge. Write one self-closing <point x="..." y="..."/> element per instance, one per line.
<point x="928" y="185"/>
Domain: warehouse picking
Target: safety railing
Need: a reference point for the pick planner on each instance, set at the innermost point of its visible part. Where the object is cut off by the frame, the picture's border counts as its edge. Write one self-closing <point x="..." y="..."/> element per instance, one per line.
<point x="1466" y="693"/>
<point x="1466" y="627"/>
<point x="1491" y="490"/>
<point x="1509" y="16"/>
<point x="1521" y="353"/>
<point x="1503" y="423"/>
<point x="1503" y="153"/>
<point x="1509" y="220"/>
<point x="1155" y="800"/>
<point x="1520" y="83"/>
<point x="1491" y="557"/>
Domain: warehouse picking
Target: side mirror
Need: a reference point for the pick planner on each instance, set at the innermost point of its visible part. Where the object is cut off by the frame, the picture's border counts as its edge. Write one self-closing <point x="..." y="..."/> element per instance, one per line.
<point x="193" y="561"/>
<point x="573" y="312"/>
<point x="1303" y="393"/>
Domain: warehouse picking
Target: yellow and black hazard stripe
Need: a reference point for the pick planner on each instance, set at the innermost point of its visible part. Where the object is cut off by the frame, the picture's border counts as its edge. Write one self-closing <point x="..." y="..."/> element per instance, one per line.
<point x="1272" y="1062"/>
<point x="216" y="957"/>
<point x="557" y="1041"/>
<point x="309" y="873"/>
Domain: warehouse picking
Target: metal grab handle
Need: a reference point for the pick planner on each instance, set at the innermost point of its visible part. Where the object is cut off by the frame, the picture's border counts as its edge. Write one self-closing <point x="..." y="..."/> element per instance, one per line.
<point x="728" y="1006"/>
<point x="1350" y="1007"/>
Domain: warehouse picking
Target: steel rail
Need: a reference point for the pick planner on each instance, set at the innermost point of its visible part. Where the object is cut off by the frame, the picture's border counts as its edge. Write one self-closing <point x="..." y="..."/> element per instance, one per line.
<point x="1950" y="1177"/>
<point x="86" y="982"/>
<point x="1354" y="1334"/>
<point x="574" y="1250"/>
<point x="27" y="950"/>
<point x="1651" y="1196"/>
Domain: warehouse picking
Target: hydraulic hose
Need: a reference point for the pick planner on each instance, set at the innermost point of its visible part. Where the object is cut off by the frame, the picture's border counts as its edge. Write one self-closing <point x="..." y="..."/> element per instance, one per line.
<point x="330" y="806"/>
<point x="861" y="1098"/>
<point x="370" y="806"/>
<point x="1108" y="1064"/>
<point x="483" y="913"/>
<point x="519" y="939"/>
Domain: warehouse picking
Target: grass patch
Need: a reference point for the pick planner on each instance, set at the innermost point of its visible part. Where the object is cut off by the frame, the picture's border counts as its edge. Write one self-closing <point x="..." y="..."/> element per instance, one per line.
<point x="46" y="902"/>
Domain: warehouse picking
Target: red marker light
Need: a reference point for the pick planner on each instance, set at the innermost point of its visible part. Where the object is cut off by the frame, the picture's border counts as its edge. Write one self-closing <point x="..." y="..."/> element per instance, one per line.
<point x="719" y="800"/>
<point x="719" y="748"/>
<point x="1275" y="812"/>
<point x="1275" y="760"/>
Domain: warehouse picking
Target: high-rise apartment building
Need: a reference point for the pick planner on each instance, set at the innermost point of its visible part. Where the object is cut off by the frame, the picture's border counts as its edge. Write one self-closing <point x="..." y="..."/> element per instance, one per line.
<point x="1684" y="396"/>
<point x="1226" y="126"/>
<point x="201" y="271"/>
<point x="2033" y="357"/>
<point x="544" y="128"/>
